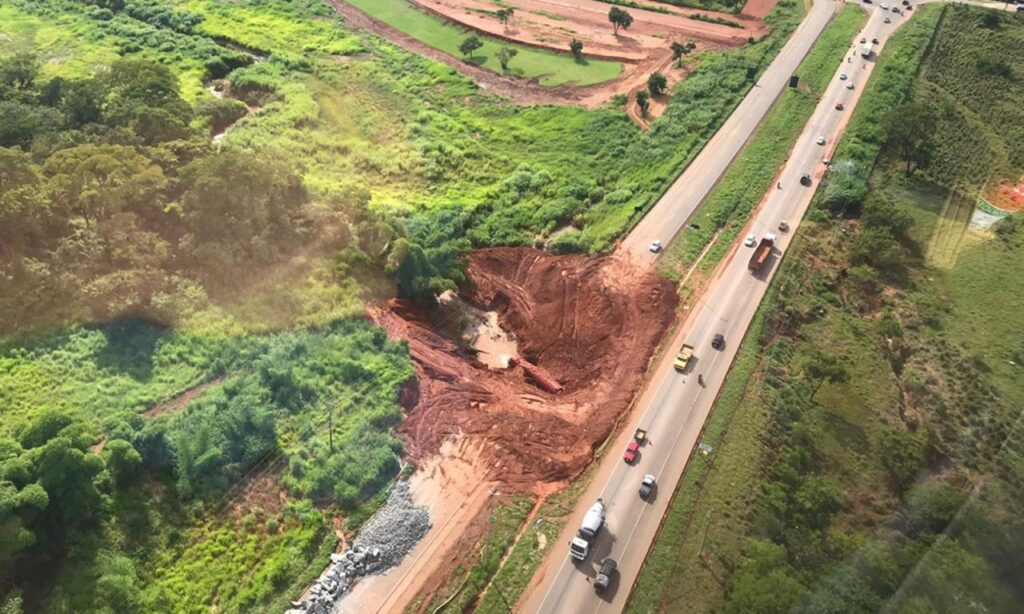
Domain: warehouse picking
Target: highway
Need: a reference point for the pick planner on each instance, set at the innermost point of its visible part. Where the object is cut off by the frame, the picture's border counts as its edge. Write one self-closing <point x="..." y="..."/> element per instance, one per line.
<point x="675" y="208"/>
<point x="674" y="407"/>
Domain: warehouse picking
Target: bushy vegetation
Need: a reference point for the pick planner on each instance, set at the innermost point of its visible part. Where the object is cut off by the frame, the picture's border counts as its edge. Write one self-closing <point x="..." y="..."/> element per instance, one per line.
<point x="872" y="459"/>
<point x="725" y="6"/>
<point x="314" y="406"/>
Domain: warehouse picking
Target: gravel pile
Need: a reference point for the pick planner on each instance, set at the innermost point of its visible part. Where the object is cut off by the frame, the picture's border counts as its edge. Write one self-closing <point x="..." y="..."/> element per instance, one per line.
<point x="394" y="529"/>
<point x="382" y="543"/>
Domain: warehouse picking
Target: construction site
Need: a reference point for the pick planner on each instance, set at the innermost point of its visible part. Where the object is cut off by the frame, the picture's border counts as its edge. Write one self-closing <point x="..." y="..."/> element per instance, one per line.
<point x="579" y="333"/>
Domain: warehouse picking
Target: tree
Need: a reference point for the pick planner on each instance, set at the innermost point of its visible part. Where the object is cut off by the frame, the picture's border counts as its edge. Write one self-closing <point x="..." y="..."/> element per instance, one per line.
<point x="576" y="47"/>
<point x="816" y="500"/>
<point x="619" y="19"/>
<point x="505" y="15"/>
<point x="17" y="74"/>
<point x="678" y="51"/>
<point x="505" y="54"/>
<point x="764" y="581"/>
<point x="880" y="212"/>
<point x="123" y="461"/>
<point x="21" y="123"/>
<point x="146" y="94"/>
<point x="825" y="367"/>
<point x="643" y="102"/>
<point x="239" y="207"/>
<point x="910" y="131"/>
<point x="23" y="205"/>
<point x="875" y="246"/>
<point x="468" y="46"/>
<point x="931" y="507"/>
<point x="902" y="455"/>
<point x="656" y="84"/>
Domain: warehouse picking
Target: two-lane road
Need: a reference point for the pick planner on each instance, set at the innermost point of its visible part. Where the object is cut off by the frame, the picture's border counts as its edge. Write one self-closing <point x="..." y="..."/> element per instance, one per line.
<point x="675" y="407"/>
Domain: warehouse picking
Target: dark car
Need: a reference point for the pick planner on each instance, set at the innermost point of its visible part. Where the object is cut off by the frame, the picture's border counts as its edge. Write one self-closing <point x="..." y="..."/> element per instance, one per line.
<point x="604" y="577"/>
<point x="647" y="486"/>
<point x="718" y="341"/>
<point x="805" y="180"/>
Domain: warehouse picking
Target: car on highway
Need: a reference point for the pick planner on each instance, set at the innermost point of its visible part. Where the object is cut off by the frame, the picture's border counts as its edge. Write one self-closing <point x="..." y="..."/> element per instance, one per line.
<point x="646" y="486"/>
<point x="884" y="6"/>
<point x="863" y="40"/>
<point x="683" y="358"/>
<point x="655" y="246"/>
<point x="874" y="41"/>
<point x="604" y="575"/>
<point x="849" y="86"/>
<point x="840" y="106"/>
<point x="784" y="226"/>
<point x="842" y="76"/>
<point x="886" y="20"/>
<point x="631" y="451"/>
<point x="750" y="241"/>
<point x="805" y="179"/>
<point x="820" y="141"/>
<point x="718" y="341"/>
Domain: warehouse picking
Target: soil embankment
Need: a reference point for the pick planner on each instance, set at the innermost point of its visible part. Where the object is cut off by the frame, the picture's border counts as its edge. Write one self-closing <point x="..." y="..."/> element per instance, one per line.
<point x="592" y="323"/>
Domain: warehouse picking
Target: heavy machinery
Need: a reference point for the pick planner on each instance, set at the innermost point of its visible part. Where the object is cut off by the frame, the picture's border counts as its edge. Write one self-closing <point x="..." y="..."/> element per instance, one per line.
<point x="761" y="253"/>
<point x="579" y="547"/>
<point x="684" y="356"/>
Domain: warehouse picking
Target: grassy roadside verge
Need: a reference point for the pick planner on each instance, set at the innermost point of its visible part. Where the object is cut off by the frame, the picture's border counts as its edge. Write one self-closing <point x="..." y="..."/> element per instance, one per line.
<point x="710" y="504"/>
<point x="552" y="68"/>
<point x="751" y="174"/>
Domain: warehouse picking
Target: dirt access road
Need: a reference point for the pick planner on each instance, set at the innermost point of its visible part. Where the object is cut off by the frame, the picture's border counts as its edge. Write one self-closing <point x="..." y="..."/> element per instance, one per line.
<point x="675" y="406"/>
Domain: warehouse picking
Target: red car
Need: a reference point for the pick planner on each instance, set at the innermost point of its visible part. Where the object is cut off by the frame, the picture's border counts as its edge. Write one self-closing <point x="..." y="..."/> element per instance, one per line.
<point x="631" y="451"/>
<point x="839" y="106"/>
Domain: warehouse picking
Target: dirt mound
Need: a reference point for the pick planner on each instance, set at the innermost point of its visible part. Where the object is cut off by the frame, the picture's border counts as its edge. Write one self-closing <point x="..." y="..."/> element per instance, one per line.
<point x="593" y="323"/>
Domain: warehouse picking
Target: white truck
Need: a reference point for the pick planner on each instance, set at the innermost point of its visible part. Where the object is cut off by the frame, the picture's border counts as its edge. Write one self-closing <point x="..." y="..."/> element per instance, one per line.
<point x="866" y="50"/>
<point x="579" y="547"/>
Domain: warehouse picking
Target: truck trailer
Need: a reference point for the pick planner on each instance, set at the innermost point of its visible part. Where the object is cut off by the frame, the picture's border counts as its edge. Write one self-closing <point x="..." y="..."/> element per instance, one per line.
<point x="866" y="50"/>
<point x="579" y="547"/>
<point x="761" y="253"/>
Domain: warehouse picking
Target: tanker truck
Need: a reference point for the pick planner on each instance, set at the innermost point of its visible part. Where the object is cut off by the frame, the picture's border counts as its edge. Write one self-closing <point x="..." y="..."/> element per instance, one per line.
<point x="579" y="547"/>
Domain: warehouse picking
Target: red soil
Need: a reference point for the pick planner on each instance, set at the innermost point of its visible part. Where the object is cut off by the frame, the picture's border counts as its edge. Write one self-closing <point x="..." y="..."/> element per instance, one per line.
<point x="592" y="323"/>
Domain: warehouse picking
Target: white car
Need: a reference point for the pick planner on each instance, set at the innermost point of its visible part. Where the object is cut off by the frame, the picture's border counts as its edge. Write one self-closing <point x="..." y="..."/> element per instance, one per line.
<point x="749" y="241"/>
<point x="821" y="140"/>
<point x="884" y="6"/>
<point x="655" y="246"/>
<point x="849" y="86"/>
<point x="886" y="20"/>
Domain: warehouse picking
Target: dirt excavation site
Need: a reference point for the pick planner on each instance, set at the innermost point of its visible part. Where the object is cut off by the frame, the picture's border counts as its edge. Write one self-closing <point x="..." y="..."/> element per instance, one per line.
<point x="476" y="431"/>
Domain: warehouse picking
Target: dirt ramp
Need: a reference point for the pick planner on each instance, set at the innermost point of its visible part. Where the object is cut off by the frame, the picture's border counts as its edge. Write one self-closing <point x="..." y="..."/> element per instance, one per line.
<point x="592" y="323"/>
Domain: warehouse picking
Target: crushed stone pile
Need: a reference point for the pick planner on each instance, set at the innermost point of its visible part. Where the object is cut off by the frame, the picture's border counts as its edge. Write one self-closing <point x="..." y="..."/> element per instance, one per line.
<point x="382" y="543"/>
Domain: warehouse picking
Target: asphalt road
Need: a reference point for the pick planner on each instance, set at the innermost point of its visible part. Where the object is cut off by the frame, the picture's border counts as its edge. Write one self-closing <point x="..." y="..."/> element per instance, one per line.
<point x="675" y="208"/>
<point x="675" y="407"/>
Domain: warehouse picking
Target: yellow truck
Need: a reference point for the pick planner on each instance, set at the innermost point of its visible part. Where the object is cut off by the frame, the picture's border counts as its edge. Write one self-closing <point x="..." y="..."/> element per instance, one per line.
<point x="683" y="358"/>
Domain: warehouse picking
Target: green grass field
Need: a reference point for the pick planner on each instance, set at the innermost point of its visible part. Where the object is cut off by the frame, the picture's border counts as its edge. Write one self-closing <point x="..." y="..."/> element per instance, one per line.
<point x="550" y="68"/>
